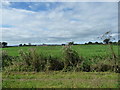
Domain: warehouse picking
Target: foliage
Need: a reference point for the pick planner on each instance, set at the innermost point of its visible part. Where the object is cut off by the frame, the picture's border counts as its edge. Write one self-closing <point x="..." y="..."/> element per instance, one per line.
<point x="3" y="44"/>
<point x="74" y="58"/>
<point x="106" y="41"/>
<point x="70" y="43"/>
<point x="33" y="59"/>
<point x="20" y="44"/>
<point x="38" y="61"/>
<point x="107" y="37"/>
<point x="6" y="59"/>
<point x="90" y="43"/>
<point x="71" y="58"/>
<point x="54" y="64"/>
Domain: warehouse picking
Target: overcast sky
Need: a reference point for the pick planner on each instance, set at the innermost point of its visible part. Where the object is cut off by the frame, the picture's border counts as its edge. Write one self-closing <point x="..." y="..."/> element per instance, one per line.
<point x="57" y="22"/>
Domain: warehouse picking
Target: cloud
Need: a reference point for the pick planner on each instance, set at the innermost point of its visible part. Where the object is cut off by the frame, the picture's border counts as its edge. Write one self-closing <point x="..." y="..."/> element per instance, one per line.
<point x="79" y="22"/>
<point x="5" y="3"/>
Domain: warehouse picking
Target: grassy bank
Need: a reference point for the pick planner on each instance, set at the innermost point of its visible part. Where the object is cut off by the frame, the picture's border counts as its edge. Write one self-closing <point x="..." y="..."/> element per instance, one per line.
<point x="60" y="80"/>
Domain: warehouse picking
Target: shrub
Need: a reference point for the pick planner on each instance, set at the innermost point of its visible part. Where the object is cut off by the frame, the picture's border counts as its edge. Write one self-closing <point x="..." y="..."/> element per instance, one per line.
<point x="6" y="59"/>
<point x="86" y="65"/>
<point x="103" y="65"/>
<point x="33" y="59"/>
<point x="71" y="58"/>
<point x="54" y="64"/>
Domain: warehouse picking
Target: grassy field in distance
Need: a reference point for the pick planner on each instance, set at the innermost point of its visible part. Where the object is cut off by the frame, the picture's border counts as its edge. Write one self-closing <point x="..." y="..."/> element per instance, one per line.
<point x="86" y="51"/>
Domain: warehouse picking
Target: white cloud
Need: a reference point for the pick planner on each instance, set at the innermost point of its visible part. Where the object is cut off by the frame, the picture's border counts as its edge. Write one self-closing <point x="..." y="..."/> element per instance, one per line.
<point x="5" y="3"/>
<point x="85" y="22"/>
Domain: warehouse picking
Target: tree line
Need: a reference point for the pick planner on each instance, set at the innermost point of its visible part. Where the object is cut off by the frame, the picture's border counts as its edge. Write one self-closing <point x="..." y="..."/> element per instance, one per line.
<point x="105" y="41"/>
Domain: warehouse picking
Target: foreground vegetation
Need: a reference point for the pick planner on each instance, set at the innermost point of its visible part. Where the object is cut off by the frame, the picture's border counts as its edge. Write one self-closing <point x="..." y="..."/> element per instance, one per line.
<point x="80" y="57"/>
<point x="60" y="80"/>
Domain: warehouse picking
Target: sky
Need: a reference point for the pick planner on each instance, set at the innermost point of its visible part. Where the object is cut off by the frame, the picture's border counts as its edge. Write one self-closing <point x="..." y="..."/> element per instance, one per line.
<point x="57" y="22"/>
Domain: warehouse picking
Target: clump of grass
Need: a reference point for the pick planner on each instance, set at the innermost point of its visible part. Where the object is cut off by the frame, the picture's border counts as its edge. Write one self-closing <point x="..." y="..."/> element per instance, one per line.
<point x="71" y="59"/>
<point x="104" y="65"/>
<point x="6" y="59"/>
<point x="33" y="59"/>
<point x="54" y="64"/>
<point x="85" y="66"/>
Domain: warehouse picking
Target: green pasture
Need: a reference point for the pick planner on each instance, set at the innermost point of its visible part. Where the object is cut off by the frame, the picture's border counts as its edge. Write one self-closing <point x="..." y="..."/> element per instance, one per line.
<point x="86" y="51"/>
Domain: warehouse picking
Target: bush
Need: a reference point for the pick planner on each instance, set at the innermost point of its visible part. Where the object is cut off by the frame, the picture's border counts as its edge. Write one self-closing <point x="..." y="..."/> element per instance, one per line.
<point x="33" y="59"/>
<point x="86" y="65"/>
<point x="54" y="64"/>
<point x="6" y="59"/>
<point x="103" y="65"/>
<point x="71" y="59"/>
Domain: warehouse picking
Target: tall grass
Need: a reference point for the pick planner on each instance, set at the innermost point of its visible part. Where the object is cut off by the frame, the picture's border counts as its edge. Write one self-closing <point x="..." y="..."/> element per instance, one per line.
<point x="35" y="60"/>
<point x="6" y="59"/>
<point x="39" y="62"/>
<point x="54" y="63"/>
<point x="71" y="59"/>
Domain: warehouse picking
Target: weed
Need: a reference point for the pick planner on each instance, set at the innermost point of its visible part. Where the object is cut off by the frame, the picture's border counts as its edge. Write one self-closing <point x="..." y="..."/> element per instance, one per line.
<point x="6" y="59"/>
<point x="71" y="58"/>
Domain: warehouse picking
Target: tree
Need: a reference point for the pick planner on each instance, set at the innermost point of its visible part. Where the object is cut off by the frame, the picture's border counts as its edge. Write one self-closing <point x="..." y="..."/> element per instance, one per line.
<point x="70" y="43"/>
<point x="24" y="45"/>
<point x="96" y="43"/>
<point x="107" y="37"/>
<point x="20" y="44"/>
<point x="4" y="44"/>
<point x="86" y="43"/>
<point x="106" y="41"/>
<point x="90" y="43"/>
<point x="63" y="44"/>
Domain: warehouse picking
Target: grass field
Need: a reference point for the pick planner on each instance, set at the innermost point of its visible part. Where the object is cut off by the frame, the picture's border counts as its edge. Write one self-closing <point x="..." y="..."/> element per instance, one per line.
<point x="87" y="51"/>
<point x="60" y="80"/>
